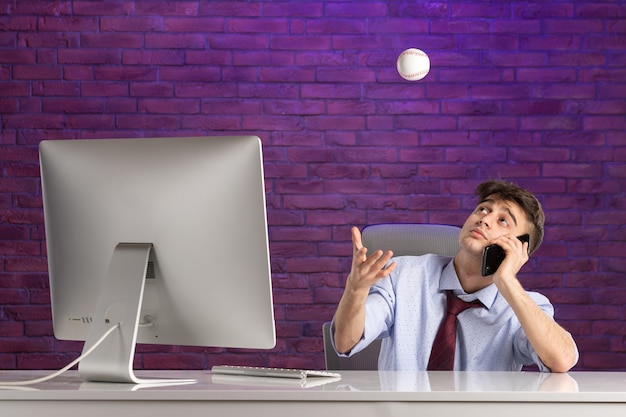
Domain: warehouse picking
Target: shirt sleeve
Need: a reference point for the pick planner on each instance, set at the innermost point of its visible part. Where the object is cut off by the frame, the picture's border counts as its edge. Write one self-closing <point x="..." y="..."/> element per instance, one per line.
<point x="379" y="309"/>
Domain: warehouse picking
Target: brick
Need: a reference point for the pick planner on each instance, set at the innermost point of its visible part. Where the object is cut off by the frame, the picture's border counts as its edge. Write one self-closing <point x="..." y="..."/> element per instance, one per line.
<point x="27" y="72"/>
<point x="104" y="89"/>
<point x="111" y="40"/>
<point x="350" y="43"/>
<point x="54" y="88"/>
<point x="127" y="25"/>
<point x="281" y="75"/>
<point x="238" y="42"/>
<point x="18" y="23"/>
<point x="487" y="123"/>
<point x="550" y="123"/>
<point x="19" y="249"/>
<point x="202" y="58"/>
<point x="150" y="89"/>
<point x="67" y="24"/>
<point x="608" y="122"/>
<point x="174" y="41"/>
<point x="604" y="361"/>
<point x="126" y="74"/>
<point x="347" y="10"/>
<point x="177" y="8"/>
<point x="258" y="25"/>
<point x="210" y="122"/>
<point x="459" y="25"/>
<point x="563" y="26"/>
<point x="605" y="42"/>
<point x="88" y="56"/>
<point x="147" y="121"/>
<point x="175" y="361"/>
<point x="517" y="26"/>
<point x="294" y="9"/>
<point x="344" y="26"/>
<point x="300" y="43"/>
<point x="399" y="25"/>
<point x="572" y="170"/>
<point x="90" y="122"/>
<point x="45" y="8"/>
<point x="423" y="122"/>
<point x="545" y="75"/>
<point x="49" y="40"/>
<point x="30" y="121"/>
<point x="72" y="105"/>
<point x="182" y="106"/>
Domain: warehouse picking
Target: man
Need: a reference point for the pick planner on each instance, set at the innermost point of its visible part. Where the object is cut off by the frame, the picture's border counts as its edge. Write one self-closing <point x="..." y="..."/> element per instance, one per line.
<point x="404" y="301"/>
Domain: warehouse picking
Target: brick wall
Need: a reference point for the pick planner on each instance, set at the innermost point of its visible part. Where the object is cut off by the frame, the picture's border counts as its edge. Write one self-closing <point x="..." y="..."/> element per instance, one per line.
<point x="532" y="91"/>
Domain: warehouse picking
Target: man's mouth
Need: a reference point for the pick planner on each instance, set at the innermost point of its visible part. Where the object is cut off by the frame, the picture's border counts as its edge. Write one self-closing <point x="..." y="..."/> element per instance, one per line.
<point x="478" y="233"/>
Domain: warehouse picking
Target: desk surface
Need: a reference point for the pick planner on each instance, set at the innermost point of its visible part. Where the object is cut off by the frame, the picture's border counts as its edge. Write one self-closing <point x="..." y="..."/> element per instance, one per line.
<point x="369" y="389"/>
<point x="353" y="386"/>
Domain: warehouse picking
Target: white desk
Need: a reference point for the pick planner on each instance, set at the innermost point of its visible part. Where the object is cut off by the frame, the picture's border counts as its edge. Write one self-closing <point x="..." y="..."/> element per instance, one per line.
<point x="358" y="393"/>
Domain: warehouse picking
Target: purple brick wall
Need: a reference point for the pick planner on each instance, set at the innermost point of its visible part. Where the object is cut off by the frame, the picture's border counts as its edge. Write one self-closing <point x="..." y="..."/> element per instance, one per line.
<point x="530" y="91"/>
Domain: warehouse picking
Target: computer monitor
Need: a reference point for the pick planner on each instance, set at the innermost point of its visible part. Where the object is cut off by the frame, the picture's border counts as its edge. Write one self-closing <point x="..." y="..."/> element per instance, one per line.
<point x="167" y="236"/>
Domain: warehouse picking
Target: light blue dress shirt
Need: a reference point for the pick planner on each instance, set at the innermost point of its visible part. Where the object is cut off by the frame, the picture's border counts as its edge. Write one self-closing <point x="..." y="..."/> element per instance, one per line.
<point x="407" y="308"/>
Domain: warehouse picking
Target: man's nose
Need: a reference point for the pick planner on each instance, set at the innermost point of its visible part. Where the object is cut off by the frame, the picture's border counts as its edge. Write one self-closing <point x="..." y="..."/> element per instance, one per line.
<point x="486" y="220"/>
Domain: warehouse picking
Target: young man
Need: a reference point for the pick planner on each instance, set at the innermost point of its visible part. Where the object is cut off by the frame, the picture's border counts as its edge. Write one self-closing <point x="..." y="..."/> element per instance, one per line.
<point x="404" y="301"/>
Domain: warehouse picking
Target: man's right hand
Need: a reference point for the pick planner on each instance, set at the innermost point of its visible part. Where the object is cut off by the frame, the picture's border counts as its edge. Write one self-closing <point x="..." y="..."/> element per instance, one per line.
<point x="366" y="270"/>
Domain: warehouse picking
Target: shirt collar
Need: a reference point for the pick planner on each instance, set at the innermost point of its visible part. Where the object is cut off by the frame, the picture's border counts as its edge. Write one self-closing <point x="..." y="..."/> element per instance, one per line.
<point x="450" y="281"/>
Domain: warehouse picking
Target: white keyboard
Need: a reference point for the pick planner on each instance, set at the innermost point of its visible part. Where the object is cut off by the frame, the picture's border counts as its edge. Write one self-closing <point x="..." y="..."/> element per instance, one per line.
<point x="272" y="372"/>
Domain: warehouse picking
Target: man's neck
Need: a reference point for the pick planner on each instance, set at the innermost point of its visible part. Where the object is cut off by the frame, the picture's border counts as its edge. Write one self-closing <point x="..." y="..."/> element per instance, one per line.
<point x="468" y="267"/>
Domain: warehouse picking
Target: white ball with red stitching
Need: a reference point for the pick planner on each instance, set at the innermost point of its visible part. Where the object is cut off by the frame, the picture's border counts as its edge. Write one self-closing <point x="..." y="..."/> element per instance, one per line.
<point x="413" y="64"/>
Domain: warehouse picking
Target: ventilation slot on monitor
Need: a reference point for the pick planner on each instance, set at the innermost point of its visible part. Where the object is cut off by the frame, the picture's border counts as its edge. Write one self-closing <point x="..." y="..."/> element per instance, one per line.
<point x="150" y="272"/>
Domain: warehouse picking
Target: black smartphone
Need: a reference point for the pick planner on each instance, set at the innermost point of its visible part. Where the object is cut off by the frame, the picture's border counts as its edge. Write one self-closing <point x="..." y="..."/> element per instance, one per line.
<point x="493" y="255"/>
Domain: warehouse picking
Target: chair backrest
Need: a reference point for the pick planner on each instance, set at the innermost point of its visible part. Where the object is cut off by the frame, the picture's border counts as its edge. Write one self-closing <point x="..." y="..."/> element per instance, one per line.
<point x="402" y="239"/>
<point x="365" y="360"/>
<point x="412" y="238"/>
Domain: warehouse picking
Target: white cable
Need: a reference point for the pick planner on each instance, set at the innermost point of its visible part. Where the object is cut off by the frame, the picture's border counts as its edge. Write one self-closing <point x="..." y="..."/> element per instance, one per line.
<point x="61" y="371"/>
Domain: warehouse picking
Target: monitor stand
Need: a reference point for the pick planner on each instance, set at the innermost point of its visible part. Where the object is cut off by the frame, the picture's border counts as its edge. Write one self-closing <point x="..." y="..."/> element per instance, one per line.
<point x="119" y="301"/>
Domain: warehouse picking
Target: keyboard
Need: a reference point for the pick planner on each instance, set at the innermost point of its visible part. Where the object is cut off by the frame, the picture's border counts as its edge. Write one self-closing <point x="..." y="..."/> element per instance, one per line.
<point x="272" y="372"/>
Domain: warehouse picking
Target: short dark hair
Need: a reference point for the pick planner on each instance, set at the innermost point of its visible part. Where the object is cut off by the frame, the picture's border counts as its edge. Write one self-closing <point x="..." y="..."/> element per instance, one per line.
<point x="508" y="191"/>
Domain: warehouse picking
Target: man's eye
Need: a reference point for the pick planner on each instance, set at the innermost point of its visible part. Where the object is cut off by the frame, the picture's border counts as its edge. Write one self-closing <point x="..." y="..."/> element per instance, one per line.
<point x="483" y="210"/>
<point x="504" y="222"/>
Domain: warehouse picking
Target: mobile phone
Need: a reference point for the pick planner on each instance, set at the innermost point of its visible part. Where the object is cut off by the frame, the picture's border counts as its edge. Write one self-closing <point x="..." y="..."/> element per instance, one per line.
<point x="493" y="255"/>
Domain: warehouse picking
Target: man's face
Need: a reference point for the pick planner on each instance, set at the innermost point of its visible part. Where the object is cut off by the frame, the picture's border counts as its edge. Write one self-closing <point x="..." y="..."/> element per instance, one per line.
<point x="492" y="218"/>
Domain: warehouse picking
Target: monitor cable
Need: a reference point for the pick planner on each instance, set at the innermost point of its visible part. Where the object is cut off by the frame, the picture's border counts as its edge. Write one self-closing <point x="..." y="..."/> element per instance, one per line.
<point x="66" y="368"/>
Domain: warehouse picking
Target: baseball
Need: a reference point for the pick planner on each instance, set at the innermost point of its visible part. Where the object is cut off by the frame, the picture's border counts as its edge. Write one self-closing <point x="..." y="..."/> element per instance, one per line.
<point x="413" y="64"/>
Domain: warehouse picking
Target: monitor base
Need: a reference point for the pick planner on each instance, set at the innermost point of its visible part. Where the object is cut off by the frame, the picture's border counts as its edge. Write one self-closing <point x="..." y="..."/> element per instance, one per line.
<point x="119" y="302"/>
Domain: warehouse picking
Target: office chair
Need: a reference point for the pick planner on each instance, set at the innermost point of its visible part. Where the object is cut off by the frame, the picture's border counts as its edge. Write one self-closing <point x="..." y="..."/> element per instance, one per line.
<point x="402" y="239"/>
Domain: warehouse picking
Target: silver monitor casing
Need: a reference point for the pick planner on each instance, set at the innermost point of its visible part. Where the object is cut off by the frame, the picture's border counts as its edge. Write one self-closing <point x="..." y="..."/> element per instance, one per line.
<point x="193" y="207"/>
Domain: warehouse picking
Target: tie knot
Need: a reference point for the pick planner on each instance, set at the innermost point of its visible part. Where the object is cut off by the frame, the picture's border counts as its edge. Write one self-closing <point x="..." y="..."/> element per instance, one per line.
<point x="456" y="305"/>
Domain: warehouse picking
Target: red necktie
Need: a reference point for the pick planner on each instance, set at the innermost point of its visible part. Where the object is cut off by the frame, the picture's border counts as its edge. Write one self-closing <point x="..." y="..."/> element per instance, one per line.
<point x="442" y="354"/>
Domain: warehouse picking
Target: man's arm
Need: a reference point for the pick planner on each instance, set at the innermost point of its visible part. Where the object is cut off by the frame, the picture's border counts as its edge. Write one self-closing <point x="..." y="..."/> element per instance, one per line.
<point x="349" y="318"/>
<point x="554" y="345"/>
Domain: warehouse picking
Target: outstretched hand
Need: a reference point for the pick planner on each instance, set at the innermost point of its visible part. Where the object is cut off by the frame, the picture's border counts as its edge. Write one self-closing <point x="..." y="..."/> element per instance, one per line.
<point x="367" y="270"/>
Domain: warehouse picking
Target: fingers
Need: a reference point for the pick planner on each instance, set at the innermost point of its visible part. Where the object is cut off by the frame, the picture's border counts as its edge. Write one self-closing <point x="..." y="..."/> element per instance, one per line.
<point x="357" y="243"/>
<point x="513" y="245"/>
<point x="375" y="266"/>
<point x="516" y="255"/>
<point x="378" y="259"/>
<point x="369" y="269"/>
<point x="359" y="252"/>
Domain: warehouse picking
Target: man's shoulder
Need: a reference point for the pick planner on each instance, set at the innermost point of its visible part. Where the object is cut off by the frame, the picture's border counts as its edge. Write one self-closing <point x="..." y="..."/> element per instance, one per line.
<point x="538" y="298"/>
<point x="429" y="264"/>
<point x="541" y="300"/>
